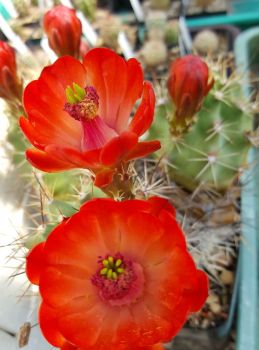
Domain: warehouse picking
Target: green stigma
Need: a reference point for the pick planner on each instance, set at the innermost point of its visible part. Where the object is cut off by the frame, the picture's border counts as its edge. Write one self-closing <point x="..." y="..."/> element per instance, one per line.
<point x="112" y="268"/>
<point x="75" y="94"/>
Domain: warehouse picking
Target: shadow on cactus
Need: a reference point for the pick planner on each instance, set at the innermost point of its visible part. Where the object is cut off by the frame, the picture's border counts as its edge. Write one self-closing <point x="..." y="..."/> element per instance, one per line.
<point x="212" y="147"/>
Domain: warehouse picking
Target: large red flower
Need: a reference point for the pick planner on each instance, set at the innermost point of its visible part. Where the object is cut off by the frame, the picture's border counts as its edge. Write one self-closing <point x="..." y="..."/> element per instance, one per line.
<point x="78" y="114"/>
<point x="116" y="275"/>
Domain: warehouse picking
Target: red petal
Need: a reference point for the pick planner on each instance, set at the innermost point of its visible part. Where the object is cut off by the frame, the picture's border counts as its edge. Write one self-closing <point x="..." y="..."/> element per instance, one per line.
<point x="65" y="71"/>
<point x="172" y="228"/>
<point x="35" y="263"/>
<point x="46" y="96"/>
<point x="108" y="226"/>
<point x="45" y="162"/>
<point x="200" y="293"/>
<point x="107" y="73"/>
<point x="158" y="204"/>
<point x="117" y="148"/>
<point x="133" y="92"/>
<point x="76" y="242"/>
<point x="139" y="328"/>
<point x="89" y="159"/>
<point x="53" y="130"/>
<point x="145" y="231"/>
<point x="118" y="83"/>
<point x="81" y="321"/>
<point x="145" y="112"/>
<point x="135" y="205"/>
<point x="156" y="347"/>
<point x="104" y="178"/>
<point x="152" y="328"/>
<point x="173" y="278"/>
<point x="35" y="139"/>
<point x="142" y="149"/>
<point x="62" y="283"/>
<point x="48" y="325"/>
<point x="68" y="346"/>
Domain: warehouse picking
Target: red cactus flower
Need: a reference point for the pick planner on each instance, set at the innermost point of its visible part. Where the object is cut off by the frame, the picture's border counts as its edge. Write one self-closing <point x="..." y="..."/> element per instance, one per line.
<point x="188" y="84"/>
<point x="63" y="30"/>
<point x="78" y="114"/>
<point x="119" y="281"/>
<point x="10" y="84"/>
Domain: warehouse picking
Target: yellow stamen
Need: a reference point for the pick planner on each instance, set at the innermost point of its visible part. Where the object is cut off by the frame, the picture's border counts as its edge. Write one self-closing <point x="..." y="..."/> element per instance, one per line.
<point x="112" y="268"/>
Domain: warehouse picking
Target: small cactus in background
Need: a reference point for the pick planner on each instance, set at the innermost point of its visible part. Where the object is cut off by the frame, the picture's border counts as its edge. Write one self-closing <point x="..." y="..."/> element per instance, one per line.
<point x="160" y="4"/>
<point x="22" y="7"/>
<point x="172" y="32"/>
<point x="153" y="53"/>
<point x="110" y="27"/>
<point x="203" y="3"/>
<point x="156" y="20"/>
<point x="88" y="7"/>
<point x="206" y="42"/>
<point x="214" y="150"/>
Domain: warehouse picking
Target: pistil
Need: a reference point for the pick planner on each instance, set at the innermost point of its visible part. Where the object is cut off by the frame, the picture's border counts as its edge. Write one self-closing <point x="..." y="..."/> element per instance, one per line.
<point x="82" y="103"/>
<point x="119" y="280"/>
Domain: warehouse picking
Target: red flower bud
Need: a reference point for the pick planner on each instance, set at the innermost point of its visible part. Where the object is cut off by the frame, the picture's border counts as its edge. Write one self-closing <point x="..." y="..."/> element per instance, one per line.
<point x="10" y="84"/>
<point x="64" y="30"/>
<point x="188" y="84"/>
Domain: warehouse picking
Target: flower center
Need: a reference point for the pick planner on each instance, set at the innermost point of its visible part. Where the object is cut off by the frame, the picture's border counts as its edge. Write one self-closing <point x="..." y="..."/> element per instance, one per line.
<point x="82" y="104"/>
<point x="120" y="281"/>
<point x="112" y="268"/>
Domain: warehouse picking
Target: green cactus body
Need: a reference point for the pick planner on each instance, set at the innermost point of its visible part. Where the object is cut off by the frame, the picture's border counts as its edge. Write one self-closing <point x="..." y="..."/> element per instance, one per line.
<point x="214" y="150"/>
<point x="160" y="4"/>
<point x="172" y="32"/>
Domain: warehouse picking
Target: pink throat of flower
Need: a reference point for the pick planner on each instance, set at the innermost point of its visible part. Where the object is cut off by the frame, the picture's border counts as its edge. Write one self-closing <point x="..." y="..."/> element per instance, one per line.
<point x="120" y="281"/>
<point x="85" y="107"/>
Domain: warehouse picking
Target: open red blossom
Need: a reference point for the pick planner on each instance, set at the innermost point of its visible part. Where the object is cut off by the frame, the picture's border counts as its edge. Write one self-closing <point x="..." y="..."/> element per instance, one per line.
<point x="78" y="114"/>
<point x="63" y="30"/>
<point x="10" y="84"/>
<point x="188" y="84"/>
<point x="122" y="280"/>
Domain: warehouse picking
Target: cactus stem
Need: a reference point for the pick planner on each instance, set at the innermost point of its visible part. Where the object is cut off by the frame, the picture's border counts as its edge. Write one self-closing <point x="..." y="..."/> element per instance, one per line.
<point x="195" y="150"/>
<point x="227" y="166"/>
<point x="229" y="155"/>
<point x="205" y="168"/>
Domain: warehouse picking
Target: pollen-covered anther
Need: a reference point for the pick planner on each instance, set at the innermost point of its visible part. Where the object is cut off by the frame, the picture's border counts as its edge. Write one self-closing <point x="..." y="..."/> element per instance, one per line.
<point x="112" y="267"/>
<point x="119" y="280"/>
<point x="82" y="104"/>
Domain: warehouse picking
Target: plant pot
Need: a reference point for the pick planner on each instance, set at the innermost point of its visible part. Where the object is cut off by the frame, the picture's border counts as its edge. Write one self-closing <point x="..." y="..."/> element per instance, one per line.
<point x="213" y="339"/>
<point x="247" y="57"/>
<point x="242" y="20"/>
